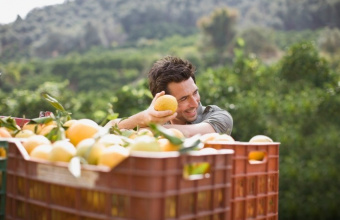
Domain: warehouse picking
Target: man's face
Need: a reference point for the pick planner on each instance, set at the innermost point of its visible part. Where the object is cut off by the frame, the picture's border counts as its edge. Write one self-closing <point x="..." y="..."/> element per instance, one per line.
<point x="188" y="98"/>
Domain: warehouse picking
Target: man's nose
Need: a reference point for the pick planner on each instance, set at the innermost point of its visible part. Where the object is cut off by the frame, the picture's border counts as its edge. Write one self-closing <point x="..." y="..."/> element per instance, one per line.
<point x="193" y="102"/>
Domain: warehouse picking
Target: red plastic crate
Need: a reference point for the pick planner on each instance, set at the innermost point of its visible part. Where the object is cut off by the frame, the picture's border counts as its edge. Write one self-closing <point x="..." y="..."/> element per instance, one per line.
<point x="255" y="185"/>
<point x="19" y="121"/>
<point x="145" y="186"/>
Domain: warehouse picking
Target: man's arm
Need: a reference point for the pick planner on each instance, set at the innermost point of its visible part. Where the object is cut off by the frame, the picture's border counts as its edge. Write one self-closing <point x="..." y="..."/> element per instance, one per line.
<point x="144" y="118"/>
<point x="193" y="129"/>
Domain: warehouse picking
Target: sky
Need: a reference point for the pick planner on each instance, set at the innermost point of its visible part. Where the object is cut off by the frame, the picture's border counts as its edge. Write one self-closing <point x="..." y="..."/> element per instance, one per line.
<point x="9" y="9"/>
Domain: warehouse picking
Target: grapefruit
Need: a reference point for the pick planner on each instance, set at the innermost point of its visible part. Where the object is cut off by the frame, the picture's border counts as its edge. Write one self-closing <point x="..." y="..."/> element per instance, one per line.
<point x="166" y="102"/>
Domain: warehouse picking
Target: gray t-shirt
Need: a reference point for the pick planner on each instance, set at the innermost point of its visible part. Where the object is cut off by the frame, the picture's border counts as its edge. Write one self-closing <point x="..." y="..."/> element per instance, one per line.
<point x="219" y="119"/>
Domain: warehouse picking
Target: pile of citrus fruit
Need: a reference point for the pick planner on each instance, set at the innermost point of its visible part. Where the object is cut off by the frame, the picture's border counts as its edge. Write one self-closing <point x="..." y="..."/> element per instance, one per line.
<point x="97" y="145"/>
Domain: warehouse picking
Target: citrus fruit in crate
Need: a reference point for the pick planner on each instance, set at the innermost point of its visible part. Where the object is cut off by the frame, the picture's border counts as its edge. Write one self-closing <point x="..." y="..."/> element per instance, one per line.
<point x="24" y="134"/>
<point x="41" y="152"/>
<point x="81" y="129"/>
<point x="90" y="150"/>
<point x="113" y="155"/>
<point x="166" y="102"/>
<point x="111" y="139"/>
<point x="224" y="138"/>
<point x="256" y="155"/>
<point x="47" y="129"/>
<point x="36" y="128"/>
<point x="145" y="143"/>
<point x="68" y="123"/>
<point x="166" y="145"/>
<point x="260" y="138"/>
<point x="208" y="137"/>
<point x="4" y="133"/>
<point x="34" y="141"/>
<point x="177" y="133"/>
<point x="62" y="150"/>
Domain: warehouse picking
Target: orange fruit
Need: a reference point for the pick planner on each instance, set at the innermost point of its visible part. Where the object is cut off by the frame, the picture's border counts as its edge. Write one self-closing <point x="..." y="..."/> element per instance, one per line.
<point x="166" y="145"/>
<point x="34" y="141"/>
<point x="113" y="155"/>
<point x="68" y="123"/>
<point x="13" y="131"/>
<point x="256" y="155"/>
<point x="176" y="132"/>
<point x="82" y="129"/>
<point x="166" y="102"/>
<point x="62" y="150"/>
<point x="4" y="133"/>
<point x="47" y="129"/>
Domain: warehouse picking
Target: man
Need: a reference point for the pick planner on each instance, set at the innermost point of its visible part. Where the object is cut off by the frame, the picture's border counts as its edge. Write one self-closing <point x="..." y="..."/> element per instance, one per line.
<point x="174" y="76"/>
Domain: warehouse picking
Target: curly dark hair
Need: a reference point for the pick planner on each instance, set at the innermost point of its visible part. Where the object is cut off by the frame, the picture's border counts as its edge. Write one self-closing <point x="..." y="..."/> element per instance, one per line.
<point x="169" y="69"/>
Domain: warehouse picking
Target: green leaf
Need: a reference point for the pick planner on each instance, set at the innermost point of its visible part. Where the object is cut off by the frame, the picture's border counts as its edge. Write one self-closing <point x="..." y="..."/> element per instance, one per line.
<point x="54" y="102"/>
<point x="9" y="123"/>
<point x="193" y="143"/>
<point x="42" y="120"/>
<point x="160" y="130"/>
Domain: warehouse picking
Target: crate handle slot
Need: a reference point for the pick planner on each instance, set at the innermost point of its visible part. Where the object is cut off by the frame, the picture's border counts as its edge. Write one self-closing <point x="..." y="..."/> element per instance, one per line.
<point x="196" y="171"/>
<point x="257" y="157"/>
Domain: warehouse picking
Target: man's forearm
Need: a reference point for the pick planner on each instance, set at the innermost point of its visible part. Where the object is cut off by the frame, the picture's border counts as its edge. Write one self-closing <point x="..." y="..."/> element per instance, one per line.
<point x="193" y="129"/>
<point x="130" y="122"/>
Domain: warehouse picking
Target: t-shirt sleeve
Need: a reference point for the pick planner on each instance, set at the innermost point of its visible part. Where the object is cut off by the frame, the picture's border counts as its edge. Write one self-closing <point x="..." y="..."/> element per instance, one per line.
<point x="220" y="120"/>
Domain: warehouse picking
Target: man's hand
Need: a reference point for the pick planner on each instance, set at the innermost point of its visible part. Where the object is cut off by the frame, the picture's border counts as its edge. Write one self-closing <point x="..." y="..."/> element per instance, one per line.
<point x="159" y="117"/>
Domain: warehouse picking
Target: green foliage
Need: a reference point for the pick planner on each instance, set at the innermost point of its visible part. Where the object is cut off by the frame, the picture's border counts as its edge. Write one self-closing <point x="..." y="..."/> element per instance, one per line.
<point x="259" y="41"/>
<point x="219" y="27"/>
<point x="303" y="117"/>
<point x="329" y="40"/>
<point x="131" y="99"/>
<point x="294" y="101"/>
<point x="302" y="64"/>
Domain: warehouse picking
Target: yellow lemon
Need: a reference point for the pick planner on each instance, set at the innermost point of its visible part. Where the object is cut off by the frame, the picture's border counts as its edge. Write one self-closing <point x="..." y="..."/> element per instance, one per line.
<point x="34" y="141"/>
<point x="90" y="150"/>
<point x="208" y="137"/>
<point x="224" y="138"/>
<point x="260" y="138"/>
<point x="24" y="134"/>
<point x="111" y="139"/>
<point x="145" y="143"/>
<point x="62" y="150"/>
<point x="41" y="151"/>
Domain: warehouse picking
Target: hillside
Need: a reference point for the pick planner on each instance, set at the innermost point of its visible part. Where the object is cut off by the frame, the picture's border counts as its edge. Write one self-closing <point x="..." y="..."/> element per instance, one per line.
<point x="79" y="25"/>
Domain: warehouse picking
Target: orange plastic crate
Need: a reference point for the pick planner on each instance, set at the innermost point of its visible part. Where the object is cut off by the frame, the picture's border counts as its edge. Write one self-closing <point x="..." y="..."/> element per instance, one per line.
<point x="255" y="185"/>
<point x="143" y="187"/>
